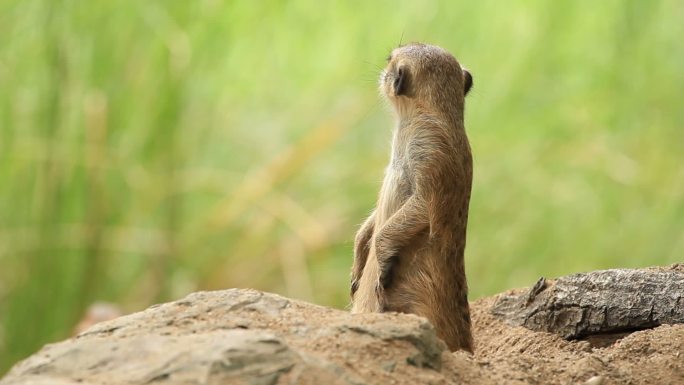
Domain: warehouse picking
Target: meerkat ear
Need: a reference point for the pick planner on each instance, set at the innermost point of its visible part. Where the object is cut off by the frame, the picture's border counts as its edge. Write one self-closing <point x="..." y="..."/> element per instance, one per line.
<point x="467" y="82"/>
<point x="400" y="81"/>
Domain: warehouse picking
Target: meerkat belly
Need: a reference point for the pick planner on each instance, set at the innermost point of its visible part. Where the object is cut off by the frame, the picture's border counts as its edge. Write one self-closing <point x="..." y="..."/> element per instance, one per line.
<point x="410" y="275"/>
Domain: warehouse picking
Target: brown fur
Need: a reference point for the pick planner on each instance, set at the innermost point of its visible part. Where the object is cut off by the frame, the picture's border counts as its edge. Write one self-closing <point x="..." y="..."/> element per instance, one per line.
<point x="408" y="255"/>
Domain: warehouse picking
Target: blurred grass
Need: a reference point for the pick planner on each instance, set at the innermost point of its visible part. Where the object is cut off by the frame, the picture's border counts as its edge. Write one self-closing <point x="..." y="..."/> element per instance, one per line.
<point x="149" y="149"/>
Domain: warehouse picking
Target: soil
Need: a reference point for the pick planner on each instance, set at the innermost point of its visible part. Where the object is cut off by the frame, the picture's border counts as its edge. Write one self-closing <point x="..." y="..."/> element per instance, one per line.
<point x="246" y="336"/>
<point x="515" y="355"/>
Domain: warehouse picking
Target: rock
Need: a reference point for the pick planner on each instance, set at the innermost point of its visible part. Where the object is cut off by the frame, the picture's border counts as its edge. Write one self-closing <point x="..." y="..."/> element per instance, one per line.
<point x="598" y="302"/>
<point x="249" y="337"/>
<point x="596" y="380"/>
<point x="243" y="337"/>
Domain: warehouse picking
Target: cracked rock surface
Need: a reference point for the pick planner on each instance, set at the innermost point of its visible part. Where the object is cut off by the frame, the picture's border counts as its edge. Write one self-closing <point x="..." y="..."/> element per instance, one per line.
<point x="599" y="302"/>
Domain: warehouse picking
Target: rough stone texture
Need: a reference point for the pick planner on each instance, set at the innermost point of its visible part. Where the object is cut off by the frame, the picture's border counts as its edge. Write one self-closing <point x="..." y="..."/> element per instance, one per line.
<point x="606" y="301"/>
<point x="248" y="337"/>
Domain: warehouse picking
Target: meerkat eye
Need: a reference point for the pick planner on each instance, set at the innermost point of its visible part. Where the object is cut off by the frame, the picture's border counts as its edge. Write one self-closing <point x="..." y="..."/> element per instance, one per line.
<point x="400" y="82"/>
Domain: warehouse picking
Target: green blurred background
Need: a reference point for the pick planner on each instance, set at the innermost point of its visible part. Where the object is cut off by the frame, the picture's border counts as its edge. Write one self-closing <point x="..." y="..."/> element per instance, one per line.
<point x="153" y="148"/>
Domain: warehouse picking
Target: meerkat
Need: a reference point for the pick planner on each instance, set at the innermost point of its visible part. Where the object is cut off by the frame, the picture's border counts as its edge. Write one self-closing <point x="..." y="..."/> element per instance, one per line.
<point x="408" y="254"/>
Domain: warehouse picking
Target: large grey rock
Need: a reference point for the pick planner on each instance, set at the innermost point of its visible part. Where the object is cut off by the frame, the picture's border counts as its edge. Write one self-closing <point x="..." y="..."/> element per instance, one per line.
<point x="243" y="337"/>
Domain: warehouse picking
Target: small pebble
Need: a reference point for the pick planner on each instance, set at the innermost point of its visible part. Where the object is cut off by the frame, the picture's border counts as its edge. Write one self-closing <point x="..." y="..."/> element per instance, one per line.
<point x="596" y="380"/>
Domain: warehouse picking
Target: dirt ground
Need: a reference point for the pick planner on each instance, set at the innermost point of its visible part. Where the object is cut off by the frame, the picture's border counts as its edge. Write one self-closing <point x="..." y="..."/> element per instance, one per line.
<point x="515" y="355"/>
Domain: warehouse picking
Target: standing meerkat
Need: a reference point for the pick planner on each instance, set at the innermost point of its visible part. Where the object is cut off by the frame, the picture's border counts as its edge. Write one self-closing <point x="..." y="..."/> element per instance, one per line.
<point x="408" y="254"/>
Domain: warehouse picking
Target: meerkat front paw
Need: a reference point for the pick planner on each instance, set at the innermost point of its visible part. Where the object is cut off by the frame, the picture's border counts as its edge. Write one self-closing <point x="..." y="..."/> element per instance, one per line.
<point x="387" y="272"/>
<point x="380" y="296"/>
<point x="354" y="287"/>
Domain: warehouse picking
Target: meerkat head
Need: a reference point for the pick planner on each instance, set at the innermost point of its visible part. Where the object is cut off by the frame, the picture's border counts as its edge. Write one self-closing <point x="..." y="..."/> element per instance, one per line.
<point x="425" y="75"/>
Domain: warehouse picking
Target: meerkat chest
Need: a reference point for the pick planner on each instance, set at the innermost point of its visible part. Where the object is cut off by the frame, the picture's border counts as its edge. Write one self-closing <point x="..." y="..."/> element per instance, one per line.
<point x="397" y="187"/>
